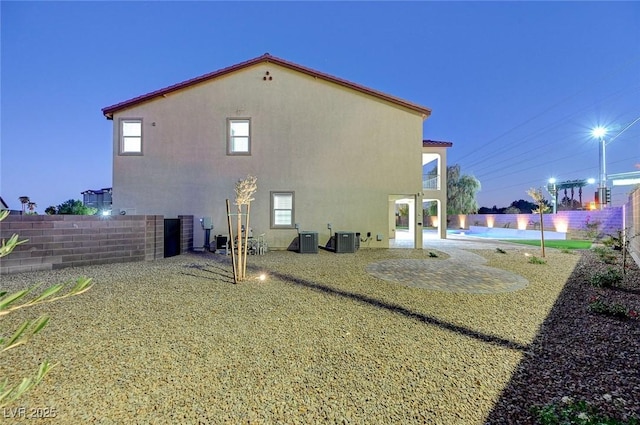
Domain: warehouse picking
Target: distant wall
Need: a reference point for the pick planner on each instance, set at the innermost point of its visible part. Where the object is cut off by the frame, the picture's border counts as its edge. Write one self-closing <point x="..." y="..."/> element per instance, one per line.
<point x="57" y="241"/>
<point x="572" y="222"/>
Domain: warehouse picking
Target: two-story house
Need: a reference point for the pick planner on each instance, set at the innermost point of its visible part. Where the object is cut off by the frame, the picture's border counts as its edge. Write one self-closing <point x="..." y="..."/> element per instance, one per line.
<point x="324" y="150"/>
<point x="99" y="199"/>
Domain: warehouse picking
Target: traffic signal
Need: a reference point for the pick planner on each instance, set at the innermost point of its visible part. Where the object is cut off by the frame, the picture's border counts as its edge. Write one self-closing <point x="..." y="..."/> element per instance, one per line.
<point x="608" y="194"/>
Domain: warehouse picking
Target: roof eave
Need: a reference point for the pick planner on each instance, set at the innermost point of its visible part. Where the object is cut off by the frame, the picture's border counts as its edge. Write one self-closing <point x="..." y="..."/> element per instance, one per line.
<point x="436" y="144"/>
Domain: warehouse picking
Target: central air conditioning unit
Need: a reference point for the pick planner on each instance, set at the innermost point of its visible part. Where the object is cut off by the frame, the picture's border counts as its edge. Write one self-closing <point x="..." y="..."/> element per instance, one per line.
<point x="308" y="243"/>
<point x="345" y="242"/>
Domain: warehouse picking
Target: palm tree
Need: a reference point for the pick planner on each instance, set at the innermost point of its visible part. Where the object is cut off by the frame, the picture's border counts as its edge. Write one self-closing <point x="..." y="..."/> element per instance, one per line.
<point x="31" y="206"/>
<point x="24" y="200"/>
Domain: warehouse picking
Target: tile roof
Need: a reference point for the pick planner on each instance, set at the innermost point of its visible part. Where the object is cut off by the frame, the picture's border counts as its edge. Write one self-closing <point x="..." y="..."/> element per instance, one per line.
<point x="436" y="144"/>
<point x="266" y="58"/>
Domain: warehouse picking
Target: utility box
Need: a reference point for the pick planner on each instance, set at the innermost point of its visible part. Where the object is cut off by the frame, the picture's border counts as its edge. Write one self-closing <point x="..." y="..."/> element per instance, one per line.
<point x="345" y="242"/>
<point x="206" y="223"/>
<point x="221" y="242"/>
<point x="308" y="243"/>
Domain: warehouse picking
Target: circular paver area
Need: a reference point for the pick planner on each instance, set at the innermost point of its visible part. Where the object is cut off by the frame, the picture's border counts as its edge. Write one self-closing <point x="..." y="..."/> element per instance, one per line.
<point x="447" y="275"/>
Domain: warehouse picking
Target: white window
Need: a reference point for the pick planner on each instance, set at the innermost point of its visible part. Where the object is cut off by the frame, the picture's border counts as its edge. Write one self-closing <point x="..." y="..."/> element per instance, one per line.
<point x="131" y="136"/>
<point x="282" y="210"/>
<point x="239" y="136"/>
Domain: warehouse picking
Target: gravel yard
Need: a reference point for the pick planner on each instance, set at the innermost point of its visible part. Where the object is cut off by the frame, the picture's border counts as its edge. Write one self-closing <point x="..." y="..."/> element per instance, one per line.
<point x="319" y="341"/>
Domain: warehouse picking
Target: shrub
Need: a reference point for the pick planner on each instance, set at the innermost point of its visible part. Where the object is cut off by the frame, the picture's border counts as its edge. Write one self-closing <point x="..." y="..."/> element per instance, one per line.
<point x="608" y="279"/>
<point x="579" y="413"/>
<point x="592" y="228"/>
<point x="615" y="242"/>
<point x="596" y="305"/>
<point x="536" y="260"/>
<point x="605" y="254"/>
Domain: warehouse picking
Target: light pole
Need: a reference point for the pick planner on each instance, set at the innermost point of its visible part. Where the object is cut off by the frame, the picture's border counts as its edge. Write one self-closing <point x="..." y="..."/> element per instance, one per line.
<point x="599" y="133"/>
<point x="553" y="190"/>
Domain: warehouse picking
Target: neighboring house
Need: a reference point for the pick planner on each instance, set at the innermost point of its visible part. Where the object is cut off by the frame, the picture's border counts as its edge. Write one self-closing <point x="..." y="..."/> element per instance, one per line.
<point x="100" y="199"/>
<point x="4" y="206"/>
<point x="324" y="151"/>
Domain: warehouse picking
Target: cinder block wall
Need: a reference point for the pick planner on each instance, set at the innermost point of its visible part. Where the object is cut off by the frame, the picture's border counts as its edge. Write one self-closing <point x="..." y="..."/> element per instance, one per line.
<point x="610" y="220"/>
<point x="632" y="216"/>
<point x="154" y="237"/>
<point x="186" y="232"/>
<point x="57" y="241"/>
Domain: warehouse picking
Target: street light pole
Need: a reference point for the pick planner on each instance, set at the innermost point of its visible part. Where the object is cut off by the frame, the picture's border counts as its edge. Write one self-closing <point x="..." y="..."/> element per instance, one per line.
<point x="599" y="133"/>
<point x="603" y="164"/>
<point x="553" y="190"/>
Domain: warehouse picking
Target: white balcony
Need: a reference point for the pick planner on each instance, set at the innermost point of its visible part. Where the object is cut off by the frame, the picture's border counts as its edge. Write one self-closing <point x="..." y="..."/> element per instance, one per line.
<point x="430" y="182"/>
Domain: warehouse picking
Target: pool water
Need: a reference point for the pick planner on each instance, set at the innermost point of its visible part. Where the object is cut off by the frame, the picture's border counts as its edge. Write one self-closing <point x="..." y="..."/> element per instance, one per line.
<point x="482" y="235"/>
<point x="506" y="233"/>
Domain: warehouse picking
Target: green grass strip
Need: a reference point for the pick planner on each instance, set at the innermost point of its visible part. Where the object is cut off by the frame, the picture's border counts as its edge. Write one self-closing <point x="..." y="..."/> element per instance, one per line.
<point x="553" y="243"/>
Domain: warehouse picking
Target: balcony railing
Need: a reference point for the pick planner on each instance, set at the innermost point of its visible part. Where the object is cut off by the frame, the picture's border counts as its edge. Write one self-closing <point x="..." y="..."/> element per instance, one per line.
<point x="430" y="182"/>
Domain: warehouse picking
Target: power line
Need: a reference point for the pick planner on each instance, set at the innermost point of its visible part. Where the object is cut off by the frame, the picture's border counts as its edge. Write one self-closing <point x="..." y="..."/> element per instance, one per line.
<point x="511" y="163"/>
<point x="604" y="78"/>
<point x="552" y="126"/>
<point x="623" y="130"/>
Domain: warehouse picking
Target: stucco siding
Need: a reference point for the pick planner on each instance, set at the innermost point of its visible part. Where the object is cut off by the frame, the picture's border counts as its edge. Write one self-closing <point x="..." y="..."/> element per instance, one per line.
<point x="342" y="153"/>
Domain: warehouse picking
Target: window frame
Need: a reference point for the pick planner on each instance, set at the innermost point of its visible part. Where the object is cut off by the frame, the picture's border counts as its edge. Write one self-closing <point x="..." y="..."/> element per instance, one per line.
<point x="272" y="196"/>
<point x="121" y="136"/>
<point x="230" y="138"/>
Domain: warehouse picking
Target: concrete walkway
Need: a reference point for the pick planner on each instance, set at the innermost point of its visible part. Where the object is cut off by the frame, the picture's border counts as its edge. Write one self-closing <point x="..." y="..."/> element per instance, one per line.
<point x="462" y="272"/>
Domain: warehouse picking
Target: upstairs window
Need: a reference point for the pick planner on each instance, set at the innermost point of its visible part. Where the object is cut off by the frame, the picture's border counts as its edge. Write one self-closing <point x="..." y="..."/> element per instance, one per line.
<point x="239" y="136"/>
<point x="131" y="136"/>
<point x="282" y="215"/>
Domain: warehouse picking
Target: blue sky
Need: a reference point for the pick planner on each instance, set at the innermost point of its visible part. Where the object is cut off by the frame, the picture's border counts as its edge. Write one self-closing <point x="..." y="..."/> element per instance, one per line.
<point x="516" y="86"/>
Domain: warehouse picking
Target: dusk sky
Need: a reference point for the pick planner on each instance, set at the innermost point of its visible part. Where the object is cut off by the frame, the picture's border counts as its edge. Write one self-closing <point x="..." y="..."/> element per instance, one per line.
<point x="516" y="86"/>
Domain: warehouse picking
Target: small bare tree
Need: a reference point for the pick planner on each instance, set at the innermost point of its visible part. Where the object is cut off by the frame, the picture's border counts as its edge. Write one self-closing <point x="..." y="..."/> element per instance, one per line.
<point x="538" y="197"/>
<point x="245" y="189"/>
<point x="626" y="243"/>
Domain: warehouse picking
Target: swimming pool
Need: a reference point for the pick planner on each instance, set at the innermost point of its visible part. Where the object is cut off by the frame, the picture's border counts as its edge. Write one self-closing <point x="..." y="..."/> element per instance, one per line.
<point x="506" y="233"/>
